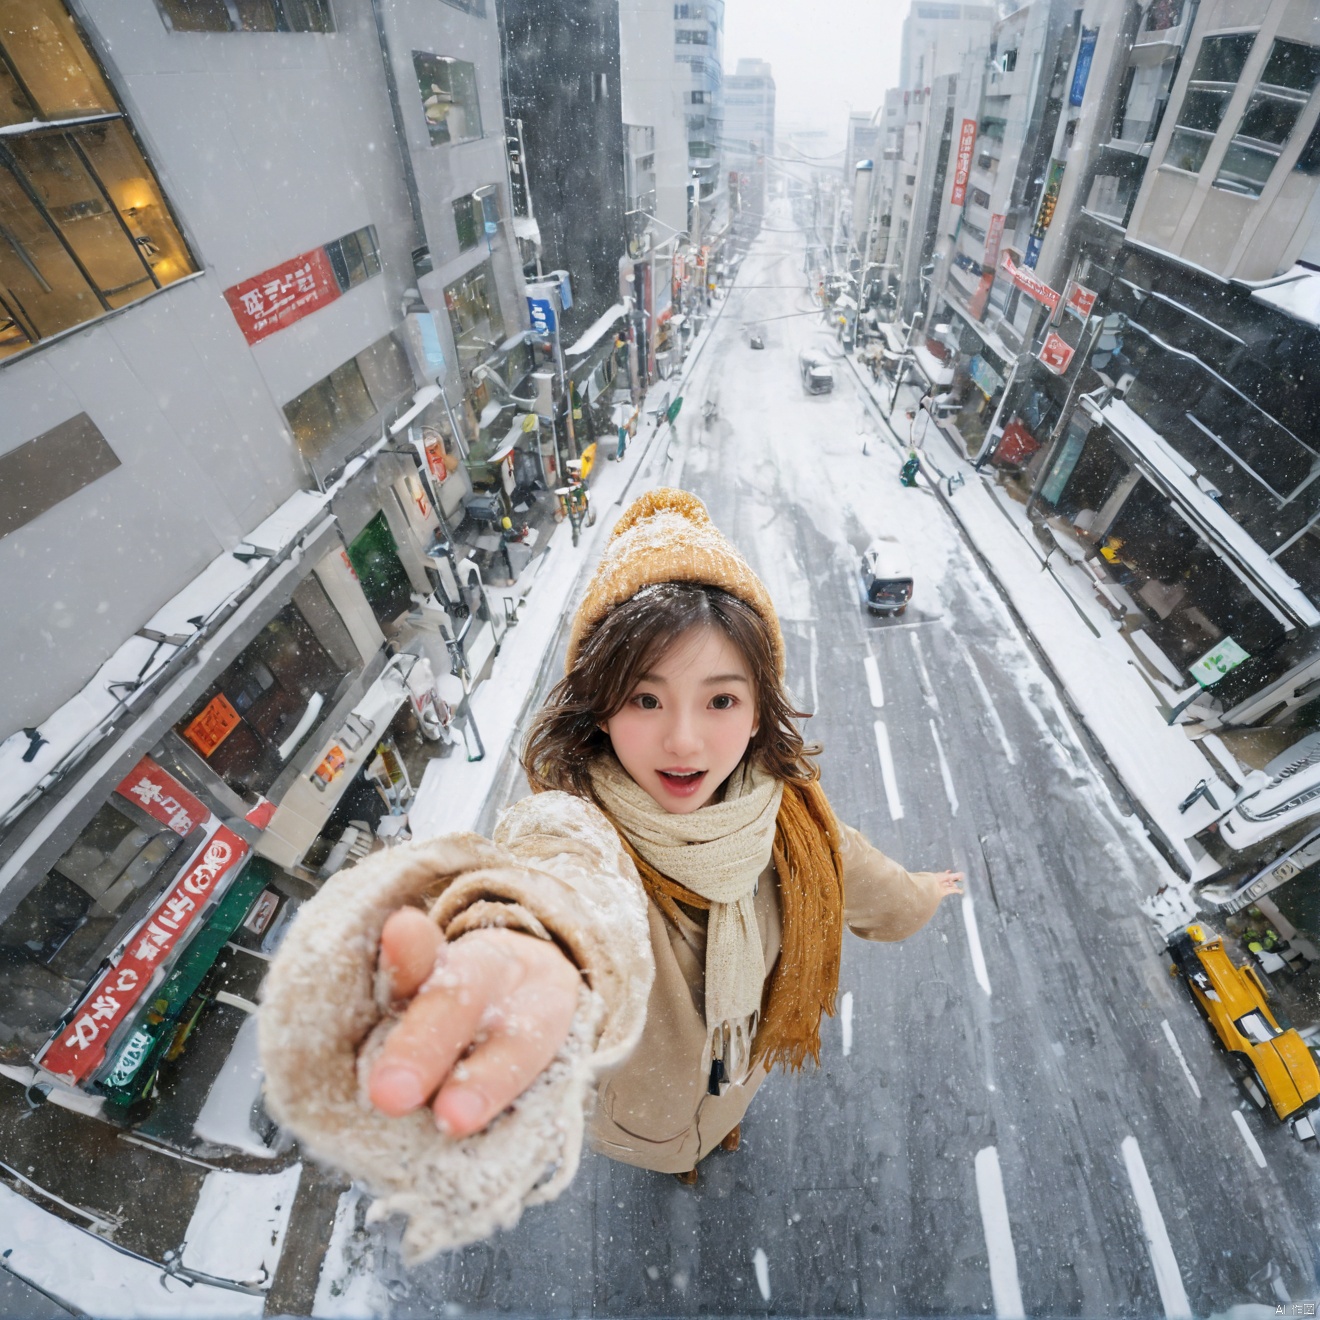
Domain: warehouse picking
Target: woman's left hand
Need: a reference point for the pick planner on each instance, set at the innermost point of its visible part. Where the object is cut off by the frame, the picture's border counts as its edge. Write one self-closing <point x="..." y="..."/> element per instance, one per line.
<point x="949" y="882"/>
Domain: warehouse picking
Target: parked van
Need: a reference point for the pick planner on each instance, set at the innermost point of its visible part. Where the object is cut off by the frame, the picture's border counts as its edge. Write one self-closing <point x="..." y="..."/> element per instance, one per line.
<point x="817" y="374"/>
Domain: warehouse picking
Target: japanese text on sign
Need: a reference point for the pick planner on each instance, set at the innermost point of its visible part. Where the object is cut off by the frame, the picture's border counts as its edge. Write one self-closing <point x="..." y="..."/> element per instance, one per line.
<point x="1080" y="300"/>
<point x="966" y="141"/>
<point x="1029" y="283"/>
<point x="163" y="797"/>
<point x="282" y="295"/>
<point x="1056" y="353"/>
<point x="80" y="1047"/>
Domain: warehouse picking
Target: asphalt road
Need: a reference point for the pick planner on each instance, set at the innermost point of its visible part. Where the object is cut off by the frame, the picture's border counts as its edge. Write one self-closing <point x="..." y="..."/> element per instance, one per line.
<point x="1002" y="1121"/>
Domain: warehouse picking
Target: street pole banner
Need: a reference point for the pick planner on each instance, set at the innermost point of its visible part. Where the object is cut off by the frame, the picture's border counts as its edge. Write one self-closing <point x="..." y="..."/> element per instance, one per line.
<point x="79" y="1048"/>
<point x="1030" y="284"/>
<point x="966" y="140"/>
<point x="1056" y="353"/>
<point x="1080" y="300"/>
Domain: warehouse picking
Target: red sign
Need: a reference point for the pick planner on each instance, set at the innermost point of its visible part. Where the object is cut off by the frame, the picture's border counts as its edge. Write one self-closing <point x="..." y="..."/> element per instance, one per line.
<point x="1027" y="281"/>
<point x="79" y="1049"/>
<point x="1080" y="300"/>
<point x="993" y="237"/>
<point x="966" y="141"/>
<point x="283" y="294"/>
<point x="1056" y="353"/>
<point x="161" y="796"/>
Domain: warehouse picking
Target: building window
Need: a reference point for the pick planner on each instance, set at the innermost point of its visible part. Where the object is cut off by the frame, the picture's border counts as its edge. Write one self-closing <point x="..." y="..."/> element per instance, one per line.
<point x="692" y="37"/>
<point x="85" y="226"/>
<point x="449" y="98"/>
<point x="39" y="474"/>
<point x="477" y="7"/>
<point x="1271" y="115"/>
<point x="697" y="98"/>
<point x="355" y="257"/>
<point x="1142" y="102"/>
<point x="1218" y="67"/>
<point x="348" y="400"/>
<point x="689" y="11"/>
<point x="476" y="216"/>
<point x="474" y="312"/>
<point x="1163" y="15"/>
<point x="246" y="15"/>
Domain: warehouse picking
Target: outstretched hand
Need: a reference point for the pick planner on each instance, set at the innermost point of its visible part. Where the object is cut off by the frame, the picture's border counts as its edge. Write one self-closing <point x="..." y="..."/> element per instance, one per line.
<point x="487" y="1015"/>
<point x="950" y="882"/>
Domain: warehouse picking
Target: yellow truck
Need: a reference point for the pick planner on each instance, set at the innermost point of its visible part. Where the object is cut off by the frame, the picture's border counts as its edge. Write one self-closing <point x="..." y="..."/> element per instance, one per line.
<point x="1273" y="1063"/>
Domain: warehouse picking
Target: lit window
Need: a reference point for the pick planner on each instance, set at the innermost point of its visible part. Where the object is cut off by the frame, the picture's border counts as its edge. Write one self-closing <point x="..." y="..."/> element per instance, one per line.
<point x="1271" y="115"/>
<point x="449" y="98"/>
<point x="246" y="15"/>
<point x="86" y="227"/>
<point x="476" y="215"/>
<point x="1214" y="79"/>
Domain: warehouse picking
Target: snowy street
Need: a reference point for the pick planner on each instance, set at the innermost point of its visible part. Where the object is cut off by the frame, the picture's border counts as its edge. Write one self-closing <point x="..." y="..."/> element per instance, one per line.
<point x="1027" y="1053"/>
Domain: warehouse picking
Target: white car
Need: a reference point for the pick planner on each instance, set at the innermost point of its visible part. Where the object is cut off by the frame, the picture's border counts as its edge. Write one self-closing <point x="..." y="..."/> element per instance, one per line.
<point x="817" y="374"/>
<point x="886" y="576"/>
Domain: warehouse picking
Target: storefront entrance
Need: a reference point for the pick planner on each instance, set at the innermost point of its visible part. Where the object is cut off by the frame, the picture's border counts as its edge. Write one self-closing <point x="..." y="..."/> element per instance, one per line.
<point x="374" y="554"/>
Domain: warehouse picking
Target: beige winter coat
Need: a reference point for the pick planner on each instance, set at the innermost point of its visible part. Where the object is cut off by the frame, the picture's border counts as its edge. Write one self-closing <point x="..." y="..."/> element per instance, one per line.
<point x="557" y="870"/>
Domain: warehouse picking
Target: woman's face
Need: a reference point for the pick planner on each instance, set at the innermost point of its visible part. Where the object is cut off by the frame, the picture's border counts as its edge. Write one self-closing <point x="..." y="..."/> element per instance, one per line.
<point x="687" y="722"/>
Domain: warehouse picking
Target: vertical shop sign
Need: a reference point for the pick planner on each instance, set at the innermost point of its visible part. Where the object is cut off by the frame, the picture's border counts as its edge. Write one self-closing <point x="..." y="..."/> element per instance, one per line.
<point x="1065" y="463"/>
<point x="1217" y="661"/>
<point x="163" y="798"/>
<point x="1080" y="300"/>
<point x="994" y="235"/>
<point x="966" y="140"/>
<point x="79" y="1048"/>
<point x="543" y="315"/>
<point x="283" y="294"/>
<point x="1056" y="353"/>
<point x="1082" y="70"/>
<point x="1027" y="281"/>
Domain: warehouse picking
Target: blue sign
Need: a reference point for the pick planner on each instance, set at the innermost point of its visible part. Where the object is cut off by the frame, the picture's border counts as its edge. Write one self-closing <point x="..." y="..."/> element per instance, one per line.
<point x="565" y="293"/>
<point x="543" y="315"/>
<point x="1032" y="254"/>
<point x="492" y="227"/>
<point x="434" y="354"/>
<point x="1082" y="71"/>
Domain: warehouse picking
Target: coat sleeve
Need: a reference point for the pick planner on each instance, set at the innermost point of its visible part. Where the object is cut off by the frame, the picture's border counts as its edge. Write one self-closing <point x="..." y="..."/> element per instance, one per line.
<point x="555" y="869"/>
<point x="881" y="899"/>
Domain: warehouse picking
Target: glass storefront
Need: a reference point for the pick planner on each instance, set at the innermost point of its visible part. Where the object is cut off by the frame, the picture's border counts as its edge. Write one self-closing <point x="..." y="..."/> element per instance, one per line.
<point x="474" y="313"/>
<point x="375" y="557"/>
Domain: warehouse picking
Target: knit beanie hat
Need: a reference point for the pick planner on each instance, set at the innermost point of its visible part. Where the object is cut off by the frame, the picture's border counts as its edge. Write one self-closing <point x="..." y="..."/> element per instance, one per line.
<point x="666" y="535"/>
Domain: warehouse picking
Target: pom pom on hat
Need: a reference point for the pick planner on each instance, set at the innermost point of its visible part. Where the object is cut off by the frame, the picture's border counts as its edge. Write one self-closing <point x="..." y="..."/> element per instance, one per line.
<point x="666" y="535"/>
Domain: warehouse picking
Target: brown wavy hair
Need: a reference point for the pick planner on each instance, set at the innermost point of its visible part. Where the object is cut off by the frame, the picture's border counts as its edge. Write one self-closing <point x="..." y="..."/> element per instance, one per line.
<point x="633" y="637"/>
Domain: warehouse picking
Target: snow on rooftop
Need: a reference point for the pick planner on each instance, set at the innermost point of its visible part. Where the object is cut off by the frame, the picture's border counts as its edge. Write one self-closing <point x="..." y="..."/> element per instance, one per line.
<point x="592" y="334"/>
<point x="1297" y="296"/>
<point x="1179" y="477"/>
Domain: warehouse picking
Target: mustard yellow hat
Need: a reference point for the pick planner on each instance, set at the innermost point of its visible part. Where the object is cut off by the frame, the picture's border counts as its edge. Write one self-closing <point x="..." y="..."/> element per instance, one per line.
<point x="666" y="535"/>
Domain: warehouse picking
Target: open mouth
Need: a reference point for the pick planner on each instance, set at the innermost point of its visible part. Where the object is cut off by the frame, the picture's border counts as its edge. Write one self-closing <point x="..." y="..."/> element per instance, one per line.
<point x="682" y="782"/>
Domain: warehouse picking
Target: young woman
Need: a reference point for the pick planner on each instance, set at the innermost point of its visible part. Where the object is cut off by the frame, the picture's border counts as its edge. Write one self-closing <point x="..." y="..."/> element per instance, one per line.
<point x="660" y="923"/>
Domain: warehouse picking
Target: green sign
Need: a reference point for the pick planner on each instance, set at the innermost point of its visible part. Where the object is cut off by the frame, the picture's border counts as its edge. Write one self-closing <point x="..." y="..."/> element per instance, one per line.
<point x="1217" y="661"/>
<point x="673" y="410"/>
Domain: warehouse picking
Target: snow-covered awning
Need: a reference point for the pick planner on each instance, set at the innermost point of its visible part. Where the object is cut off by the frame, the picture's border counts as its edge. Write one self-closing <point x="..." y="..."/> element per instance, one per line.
<point x="73" y="729"/>
<point x="1297" y="295"/>
<point x="525" y="226"/>
<point x="935" y="371"/>
<point x="1177" y="477"/>
<point x="591" y="336"/>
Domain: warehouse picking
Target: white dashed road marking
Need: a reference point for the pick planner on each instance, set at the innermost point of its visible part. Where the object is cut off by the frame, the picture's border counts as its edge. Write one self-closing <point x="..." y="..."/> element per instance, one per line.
<point x="974" y="943"/>
<point x="873" y="681"/>
<point x="1004" y="1286"/>
<point x="1250" y="1138"/>
<point x="1177" y="1049"/>
<point x="944" y="770"/>
<point x="1173" y="1295"/>
<point x="887" y="771"/>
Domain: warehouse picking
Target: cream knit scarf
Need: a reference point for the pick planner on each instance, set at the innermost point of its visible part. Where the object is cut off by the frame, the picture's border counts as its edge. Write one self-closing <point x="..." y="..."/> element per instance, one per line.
<point x="718" y="852"/>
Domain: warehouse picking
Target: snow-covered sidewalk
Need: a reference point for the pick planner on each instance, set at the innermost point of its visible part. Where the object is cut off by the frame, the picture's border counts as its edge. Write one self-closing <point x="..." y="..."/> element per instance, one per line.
<point x="1159" y="765"/>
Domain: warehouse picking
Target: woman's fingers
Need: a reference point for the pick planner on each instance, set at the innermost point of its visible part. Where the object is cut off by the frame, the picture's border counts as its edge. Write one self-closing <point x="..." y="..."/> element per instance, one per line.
<point x="442" y="1020"/>
<point x="511" y="994"/>
<point x="521" y="1041"/>
<point x="409" y="943"/>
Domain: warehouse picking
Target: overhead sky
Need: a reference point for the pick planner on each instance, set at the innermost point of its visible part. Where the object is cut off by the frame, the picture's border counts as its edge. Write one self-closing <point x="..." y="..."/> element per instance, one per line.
<point x="828" y="56"/>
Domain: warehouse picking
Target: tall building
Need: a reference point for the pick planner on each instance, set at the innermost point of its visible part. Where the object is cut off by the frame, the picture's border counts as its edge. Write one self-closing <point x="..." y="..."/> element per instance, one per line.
<point x="241" y="391"/>
<point x="699" y="44"/>
<point x="749" y="137"/>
